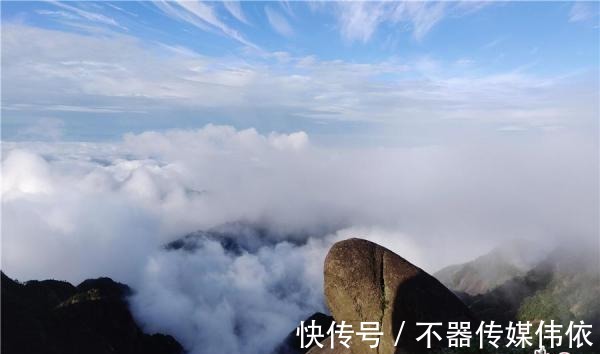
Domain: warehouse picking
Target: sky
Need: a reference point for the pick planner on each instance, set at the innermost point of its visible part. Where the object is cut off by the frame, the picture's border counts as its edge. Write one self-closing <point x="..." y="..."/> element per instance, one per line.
<point x="440" y="130"/>
<point x="352" y="73"/>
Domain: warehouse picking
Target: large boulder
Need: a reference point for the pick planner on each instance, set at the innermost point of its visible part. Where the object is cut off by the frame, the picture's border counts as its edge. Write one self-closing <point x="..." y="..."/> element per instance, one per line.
<point x="365" y="282"/>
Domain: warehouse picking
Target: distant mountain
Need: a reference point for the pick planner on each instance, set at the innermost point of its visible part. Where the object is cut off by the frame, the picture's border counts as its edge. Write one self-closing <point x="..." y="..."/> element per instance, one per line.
<point x="235" y="238"/>
<point x="491" y="270"/>
<point x="572" y="291"/>
<point x="564" y="286"/>
<point x="55" y="317"/>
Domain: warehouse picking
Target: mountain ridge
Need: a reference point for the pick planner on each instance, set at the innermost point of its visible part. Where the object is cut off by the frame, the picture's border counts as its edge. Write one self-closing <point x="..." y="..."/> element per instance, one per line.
<point x="56" y="317"/>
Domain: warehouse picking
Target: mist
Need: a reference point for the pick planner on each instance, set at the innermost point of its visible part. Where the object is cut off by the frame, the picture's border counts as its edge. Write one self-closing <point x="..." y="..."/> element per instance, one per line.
<point x="79" y="210"/>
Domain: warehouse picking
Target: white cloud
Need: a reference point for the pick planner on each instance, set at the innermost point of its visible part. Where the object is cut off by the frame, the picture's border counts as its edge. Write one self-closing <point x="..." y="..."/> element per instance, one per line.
<point x="181" y="181"/>
<point x="295" y="141"/>
<point x="25" y="173"/>
<point x="119" y="73"/>
<point x="235" y="9"/>
<point x="278" y="22"/>
<point x="494" y="43"/>
<point x="60" y="14"/>
<point x="582" y="11"/>
<point x="423" y="16"/>
<point x="277" y="285"/>
<point x="202" y="15"/>
<point x="86" y="15"/>
<point x="217" y="301"/>
<point x="44" y="129"/>
<point x="121" y="10"/>
<point x="79" y="210"/>
<point x="359" y="20"/>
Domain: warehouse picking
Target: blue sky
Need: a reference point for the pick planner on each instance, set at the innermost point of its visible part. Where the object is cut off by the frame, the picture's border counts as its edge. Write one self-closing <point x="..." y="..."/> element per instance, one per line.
<point x="404" y="71"/>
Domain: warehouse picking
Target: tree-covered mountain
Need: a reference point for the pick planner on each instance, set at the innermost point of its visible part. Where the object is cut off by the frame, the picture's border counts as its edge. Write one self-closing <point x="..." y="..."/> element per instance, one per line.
<point x="564" y="285"/>
<point x="490" y="270"/>
<point x="55" y="317"/>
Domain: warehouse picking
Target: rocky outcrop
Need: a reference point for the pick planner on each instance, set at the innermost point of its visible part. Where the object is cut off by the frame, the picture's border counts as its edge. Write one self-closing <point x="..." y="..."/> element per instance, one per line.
<point x="365" y="282"/>
<point x="55" y="317"/>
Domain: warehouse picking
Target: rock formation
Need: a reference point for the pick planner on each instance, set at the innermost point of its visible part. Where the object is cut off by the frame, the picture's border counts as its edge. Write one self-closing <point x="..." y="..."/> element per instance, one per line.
<point x="365" y="282"/>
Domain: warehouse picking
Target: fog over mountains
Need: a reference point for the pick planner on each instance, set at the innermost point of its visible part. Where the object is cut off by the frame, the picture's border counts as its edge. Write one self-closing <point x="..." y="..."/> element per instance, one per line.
<point x="209" y="154"/>
<point x="80" y="210"/>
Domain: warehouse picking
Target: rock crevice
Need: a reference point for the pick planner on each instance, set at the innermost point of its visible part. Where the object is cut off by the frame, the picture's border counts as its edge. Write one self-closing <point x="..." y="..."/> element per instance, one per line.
<point x="365" y="282"/>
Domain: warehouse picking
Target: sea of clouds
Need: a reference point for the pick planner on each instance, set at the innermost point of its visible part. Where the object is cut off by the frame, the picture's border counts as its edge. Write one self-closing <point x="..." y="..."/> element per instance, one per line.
<point x="78" y="210"/>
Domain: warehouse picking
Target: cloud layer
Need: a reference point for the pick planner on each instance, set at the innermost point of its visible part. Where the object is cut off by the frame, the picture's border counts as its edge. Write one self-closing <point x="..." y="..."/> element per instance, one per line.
<point x="181" y="181"/>
<point x="467" y="154"/>
<point x="79" y="210"/>
<point x="116" y="74"/>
